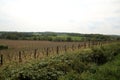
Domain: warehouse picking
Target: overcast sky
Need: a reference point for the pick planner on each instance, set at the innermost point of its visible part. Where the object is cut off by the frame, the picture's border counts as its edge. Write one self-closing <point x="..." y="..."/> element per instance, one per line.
<point x="79" y="16"/>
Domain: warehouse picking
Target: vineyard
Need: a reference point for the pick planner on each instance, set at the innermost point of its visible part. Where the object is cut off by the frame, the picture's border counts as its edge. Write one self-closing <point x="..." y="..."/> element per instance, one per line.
<point x="23" y="50"/>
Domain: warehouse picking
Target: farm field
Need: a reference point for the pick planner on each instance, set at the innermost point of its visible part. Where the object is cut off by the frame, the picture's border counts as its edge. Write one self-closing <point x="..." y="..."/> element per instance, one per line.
<point x="22" y="50"/>
<point x="30" y="44"/>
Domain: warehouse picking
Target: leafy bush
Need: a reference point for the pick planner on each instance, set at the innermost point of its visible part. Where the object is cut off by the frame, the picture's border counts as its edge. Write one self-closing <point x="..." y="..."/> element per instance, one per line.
<point x="98" y="56"/>
<point x="101" y="55"/>
<point x="40" y="74"/>
<point x="109" y="71"/>
<point x="3" y="47"/>
<point x="70" y="76"/>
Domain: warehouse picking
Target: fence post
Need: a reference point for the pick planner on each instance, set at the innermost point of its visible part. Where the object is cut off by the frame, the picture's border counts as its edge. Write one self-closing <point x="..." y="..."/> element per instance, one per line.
<point x="47" y="51"/>
<point x="78" y="46"/>
<point x="35" y="53"/>
<point x="57" y="50"/>
<point x="1" y="60"/>
<point x="20" y="56"/>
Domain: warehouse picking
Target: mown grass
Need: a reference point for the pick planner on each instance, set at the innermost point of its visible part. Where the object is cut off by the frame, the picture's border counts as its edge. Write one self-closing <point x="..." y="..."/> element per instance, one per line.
<point x="98" y="63"/>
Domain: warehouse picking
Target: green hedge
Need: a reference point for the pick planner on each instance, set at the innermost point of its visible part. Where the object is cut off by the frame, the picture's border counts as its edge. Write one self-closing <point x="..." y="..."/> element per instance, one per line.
<point x="3" y="47"/>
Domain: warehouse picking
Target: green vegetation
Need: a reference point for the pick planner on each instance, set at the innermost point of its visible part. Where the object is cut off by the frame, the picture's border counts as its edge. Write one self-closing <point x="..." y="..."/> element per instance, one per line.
<point x="52" y="36"/>
<point x="3" y="47"/>
<point x="98" y="63"/>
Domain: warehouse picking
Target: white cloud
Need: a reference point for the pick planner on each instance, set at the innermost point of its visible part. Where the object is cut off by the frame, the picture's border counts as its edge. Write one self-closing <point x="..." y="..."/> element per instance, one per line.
<point x="59" y="15"/>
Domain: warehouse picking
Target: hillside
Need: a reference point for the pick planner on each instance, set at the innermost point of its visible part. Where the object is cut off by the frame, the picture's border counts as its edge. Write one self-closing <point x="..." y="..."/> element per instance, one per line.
<point x="55" y="36"/>
<point x="98" y="63"/>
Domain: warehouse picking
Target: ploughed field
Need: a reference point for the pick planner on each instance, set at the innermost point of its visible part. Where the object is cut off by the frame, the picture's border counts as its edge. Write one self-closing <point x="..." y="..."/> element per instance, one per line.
<point x="22" y="50"/>
<point x="29" y="44"/>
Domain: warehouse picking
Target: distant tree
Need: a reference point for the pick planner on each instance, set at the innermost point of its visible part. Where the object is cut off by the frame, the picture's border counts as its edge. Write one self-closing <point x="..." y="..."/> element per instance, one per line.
<point x="69" y="39"/>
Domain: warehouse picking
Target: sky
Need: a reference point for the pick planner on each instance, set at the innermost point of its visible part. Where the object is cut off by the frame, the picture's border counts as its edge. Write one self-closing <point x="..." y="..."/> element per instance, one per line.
<point x="78" y="16"/>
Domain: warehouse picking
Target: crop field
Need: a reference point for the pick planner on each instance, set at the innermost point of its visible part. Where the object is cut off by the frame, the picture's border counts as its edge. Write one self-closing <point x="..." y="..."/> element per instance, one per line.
<point x="27" y="44"/>
<point x="24" y="50"/>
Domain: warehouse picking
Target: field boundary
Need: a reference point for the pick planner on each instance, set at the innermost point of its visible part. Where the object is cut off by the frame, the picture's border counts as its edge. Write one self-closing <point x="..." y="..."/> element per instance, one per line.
<point x="26" y="55"/>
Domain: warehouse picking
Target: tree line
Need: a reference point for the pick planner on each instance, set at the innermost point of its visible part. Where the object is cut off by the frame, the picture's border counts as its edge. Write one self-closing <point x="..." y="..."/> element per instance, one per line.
<point x="52" y="36"/>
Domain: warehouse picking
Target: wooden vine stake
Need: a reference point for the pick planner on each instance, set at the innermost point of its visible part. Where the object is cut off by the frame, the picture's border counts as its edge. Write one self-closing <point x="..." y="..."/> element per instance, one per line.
<point x="35" y="53"/>
<point x="79" y="46"/>
<point x="57" y="50"/>
<point x="20" y="56"/>
<point x="1" y="59"/>
<point x="47" y="51"/>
